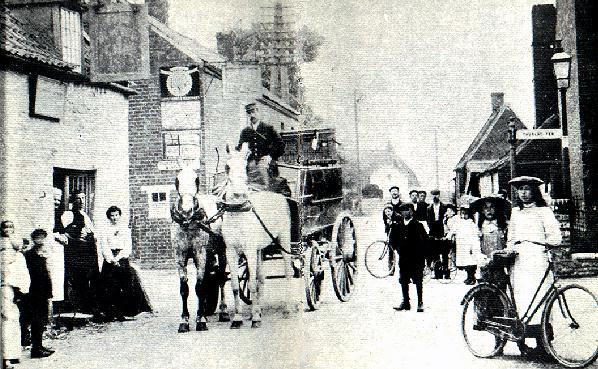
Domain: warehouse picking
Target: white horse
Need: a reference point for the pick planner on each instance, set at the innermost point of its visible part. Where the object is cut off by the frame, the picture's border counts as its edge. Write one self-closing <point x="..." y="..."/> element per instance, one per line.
<point x="248" y="229"/>
<point x="193" y="237"/>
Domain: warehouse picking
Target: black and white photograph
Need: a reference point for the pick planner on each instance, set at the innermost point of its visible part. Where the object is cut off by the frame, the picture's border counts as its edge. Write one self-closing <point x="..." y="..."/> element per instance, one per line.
<point x="301" y="184"/>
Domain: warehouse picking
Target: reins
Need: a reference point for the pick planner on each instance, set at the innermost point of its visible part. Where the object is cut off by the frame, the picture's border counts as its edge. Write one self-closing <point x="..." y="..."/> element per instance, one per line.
<point x="247" y="206"/>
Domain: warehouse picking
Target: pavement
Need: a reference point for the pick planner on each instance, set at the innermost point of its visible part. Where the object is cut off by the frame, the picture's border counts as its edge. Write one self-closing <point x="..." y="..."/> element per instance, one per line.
<point x="365" y="332"/>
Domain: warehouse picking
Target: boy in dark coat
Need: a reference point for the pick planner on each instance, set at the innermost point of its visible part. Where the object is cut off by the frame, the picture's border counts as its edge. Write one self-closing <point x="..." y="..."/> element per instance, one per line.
<point x="40" y="292"/>
<point x="410" y="247"/>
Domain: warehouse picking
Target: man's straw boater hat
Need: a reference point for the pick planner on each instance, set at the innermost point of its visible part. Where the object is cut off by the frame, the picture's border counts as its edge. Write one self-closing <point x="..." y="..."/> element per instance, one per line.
<point x="532" y="181"/>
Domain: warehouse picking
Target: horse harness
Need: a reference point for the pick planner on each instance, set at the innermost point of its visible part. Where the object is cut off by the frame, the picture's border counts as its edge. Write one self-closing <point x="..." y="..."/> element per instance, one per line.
<point x="244" y="206"/>
<point x="197" y="218"/>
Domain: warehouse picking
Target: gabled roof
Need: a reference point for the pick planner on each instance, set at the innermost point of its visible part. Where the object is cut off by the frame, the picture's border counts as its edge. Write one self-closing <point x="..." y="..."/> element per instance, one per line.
<point x="20" y="38"/>
<point x="371" y="160"/>
<point x="491" y="141"/>
<point x="536" y="149"/>
<point x="186" y="45"/>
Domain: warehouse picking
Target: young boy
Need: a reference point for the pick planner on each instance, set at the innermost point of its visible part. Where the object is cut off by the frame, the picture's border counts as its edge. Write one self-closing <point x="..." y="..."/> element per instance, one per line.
<point x="40" y="291"/>
<point x="410" y="245"/>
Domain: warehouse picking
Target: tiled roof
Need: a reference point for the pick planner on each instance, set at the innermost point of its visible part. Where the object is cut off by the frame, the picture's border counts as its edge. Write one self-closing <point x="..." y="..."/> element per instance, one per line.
<point x="491" y="142"/>
<point x="189" y="46"/>
<point x="21" y="38"/>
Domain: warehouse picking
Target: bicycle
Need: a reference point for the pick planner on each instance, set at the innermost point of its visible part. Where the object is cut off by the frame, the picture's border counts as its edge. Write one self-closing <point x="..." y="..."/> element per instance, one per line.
<point x="380" y="259"/>
<point x="568" y="324"/>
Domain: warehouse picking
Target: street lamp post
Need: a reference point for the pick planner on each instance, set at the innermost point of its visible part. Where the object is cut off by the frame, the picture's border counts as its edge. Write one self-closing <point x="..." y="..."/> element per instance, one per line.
<point x="562" y="70"/>
<point x="513" y="153"/>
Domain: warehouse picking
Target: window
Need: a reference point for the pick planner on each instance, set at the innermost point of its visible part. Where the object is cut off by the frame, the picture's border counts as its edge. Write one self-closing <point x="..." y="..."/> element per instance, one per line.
<point x="70" y="36"/>
<point x="183" y="144"/>
<point x="158" y="205"/>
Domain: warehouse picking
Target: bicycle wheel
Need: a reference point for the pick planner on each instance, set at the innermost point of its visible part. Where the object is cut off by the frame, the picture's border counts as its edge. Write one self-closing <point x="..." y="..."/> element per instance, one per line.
<point x="485" y="309"/>
<point x="378" y="259"/>
<point x="569" y="324"/>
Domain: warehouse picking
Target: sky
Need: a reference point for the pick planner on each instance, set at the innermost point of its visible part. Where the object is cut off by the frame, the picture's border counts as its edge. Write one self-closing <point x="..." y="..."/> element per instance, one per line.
<point x="416" y="67"/>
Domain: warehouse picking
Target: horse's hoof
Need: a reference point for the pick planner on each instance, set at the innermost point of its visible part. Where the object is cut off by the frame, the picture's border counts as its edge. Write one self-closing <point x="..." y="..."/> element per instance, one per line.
<point x="223" y="317"/>
<point x="201" y="326"/>
<point x="183" y="327"/>
<point x="256" y="324"/>
<point x="236" y="324"/>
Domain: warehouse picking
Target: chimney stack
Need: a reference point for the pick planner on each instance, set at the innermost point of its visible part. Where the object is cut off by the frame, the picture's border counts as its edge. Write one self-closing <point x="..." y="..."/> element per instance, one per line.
<point x="158" y="9"/>
<point x="497" y="99"/>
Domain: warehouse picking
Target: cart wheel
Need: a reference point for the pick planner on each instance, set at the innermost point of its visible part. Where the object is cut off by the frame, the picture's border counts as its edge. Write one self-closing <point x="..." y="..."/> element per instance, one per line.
<point x="344" y="258"/>
<point x="244" y="292"/>
<point x="313" y="274"/>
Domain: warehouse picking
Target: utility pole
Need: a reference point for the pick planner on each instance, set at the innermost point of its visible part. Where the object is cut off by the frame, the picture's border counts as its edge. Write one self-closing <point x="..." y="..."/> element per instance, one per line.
<point x="355" y="101"/>
<point x="278" y="47"/>
<point x="436" y="154"/>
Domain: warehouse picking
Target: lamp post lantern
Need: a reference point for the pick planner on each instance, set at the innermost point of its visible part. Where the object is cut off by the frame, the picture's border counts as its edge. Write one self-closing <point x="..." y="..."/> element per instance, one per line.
<point x="562" y="71"/>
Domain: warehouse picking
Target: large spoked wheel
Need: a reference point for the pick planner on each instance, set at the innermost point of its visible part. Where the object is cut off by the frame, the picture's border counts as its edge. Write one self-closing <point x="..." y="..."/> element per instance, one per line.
<point x="485" y="308"/>
<point x="244" y="292"/>
<point x="344" y="258"/>
<point x="379" y="259"/>
<point x="569" y="324"/>
<point x="313" y="275"/>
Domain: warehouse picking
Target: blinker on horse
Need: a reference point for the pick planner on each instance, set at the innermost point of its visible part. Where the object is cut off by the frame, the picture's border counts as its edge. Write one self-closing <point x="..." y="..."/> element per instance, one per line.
<point x="193" y="238"/>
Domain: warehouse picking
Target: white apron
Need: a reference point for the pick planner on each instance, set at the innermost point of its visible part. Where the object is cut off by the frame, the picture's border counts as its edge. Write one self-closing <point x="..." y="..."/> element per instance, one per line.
<point x="56" y="268"/>
<point x="14" y="274"/>
<point x="467" y="242"/>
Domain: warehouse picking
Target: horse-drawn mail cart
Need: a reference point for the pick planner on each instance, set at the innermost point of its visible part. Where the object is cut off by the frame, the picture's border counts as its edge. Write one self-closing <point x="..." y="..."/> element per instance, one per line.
<point x="252" y="227"/>
<point x="320" y="231"/>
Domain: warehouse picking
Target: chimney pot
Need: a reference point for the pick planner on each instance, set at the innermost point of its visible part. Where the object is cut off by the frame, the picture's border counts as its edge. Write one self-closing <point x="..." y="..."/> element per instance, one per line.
<point x="497" y="99"/>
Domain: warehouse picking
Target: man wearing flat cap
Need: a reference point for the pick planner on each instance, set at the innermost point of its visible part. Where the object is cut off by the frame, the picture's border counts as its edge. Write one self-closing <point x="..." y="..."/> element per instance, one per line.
<point x="411" y="240"/>
<point x="439" y="248"/>
<point x="265" y="144"/>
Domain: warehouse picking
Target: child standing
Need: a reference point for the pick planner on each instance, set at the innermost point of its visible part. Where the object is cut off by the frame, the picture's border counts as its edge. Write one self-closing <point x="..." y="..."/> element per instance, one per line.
<point x="15" y="283"/>
<point x="492" y="223"/>
<point x="40" y="291"/>
<point x="467" y="241"/>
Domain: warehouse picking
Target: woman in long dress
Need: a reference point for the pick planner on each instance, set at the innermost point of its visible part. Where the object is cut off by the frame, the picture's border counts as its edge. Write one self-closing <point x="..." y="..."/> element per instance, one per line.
<point x="15" y="283"/>
<point x="532" y="222"/>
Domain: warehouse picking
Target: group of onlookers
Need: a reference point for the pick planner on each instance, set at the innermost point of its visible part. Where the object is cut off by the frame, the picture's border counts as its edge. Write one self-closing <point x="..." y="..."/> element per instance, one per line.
<point x="93" y="267"/>
<point x="483" y="227"/>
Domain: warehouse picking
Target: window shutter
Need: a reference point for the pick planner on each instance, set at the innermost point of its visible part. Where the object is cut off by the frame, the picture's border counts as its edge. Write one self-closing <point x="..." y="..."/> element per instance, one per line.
<point x="120" y="42"/>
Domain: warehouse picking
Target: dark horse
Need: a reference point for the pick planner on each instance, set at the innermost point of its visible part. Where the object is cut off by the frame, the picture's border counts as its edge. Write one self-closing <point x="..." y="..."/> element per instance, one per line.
<point x="194" y="237"/>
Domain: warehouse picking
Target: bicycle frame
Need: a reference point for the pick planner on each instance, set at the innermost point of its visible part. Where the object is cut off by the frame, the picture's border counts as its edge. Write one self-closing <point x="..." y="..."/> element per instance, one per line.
<point x="532" y="309"/>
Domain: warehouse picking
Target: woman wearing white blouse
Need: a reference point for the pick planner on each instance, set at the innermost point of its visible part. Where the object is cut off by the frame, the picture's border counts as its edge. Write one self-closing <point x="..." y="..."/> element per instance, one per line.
<point x="531" y="221"/>
<point x="116" y="277"/>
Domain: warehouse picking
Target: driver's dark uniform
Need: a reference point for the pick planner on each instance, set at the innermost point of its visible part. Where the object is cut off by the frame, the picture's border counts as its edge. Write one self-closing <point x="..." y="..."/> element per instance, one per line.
<point x="263" y="141"/>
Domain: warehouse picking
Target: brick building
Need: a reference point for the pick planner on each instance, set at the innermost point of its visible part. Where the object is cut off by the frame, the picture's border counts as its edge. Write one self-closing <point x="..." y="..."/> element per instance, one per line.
<point x="57" y="128"/>
<point x="189" y="109"/>
<point x="577" y="30"/>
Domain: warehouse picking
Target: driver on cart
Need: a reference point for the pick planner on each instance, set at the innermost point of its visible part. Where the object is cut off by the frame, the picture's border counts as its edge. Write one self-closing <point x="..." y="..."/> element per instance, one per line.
<point x="266" y="147"/>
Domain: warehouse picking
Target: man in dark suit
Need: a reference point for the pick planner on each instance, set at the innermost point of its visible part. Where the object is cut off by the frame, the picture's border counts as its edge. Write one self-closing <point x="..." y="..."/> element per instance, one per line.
<point x="438" y="246"/>
<point x="411" y="240"/>
<point x="421" y="207"/>
<point x="266" y="147"/>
